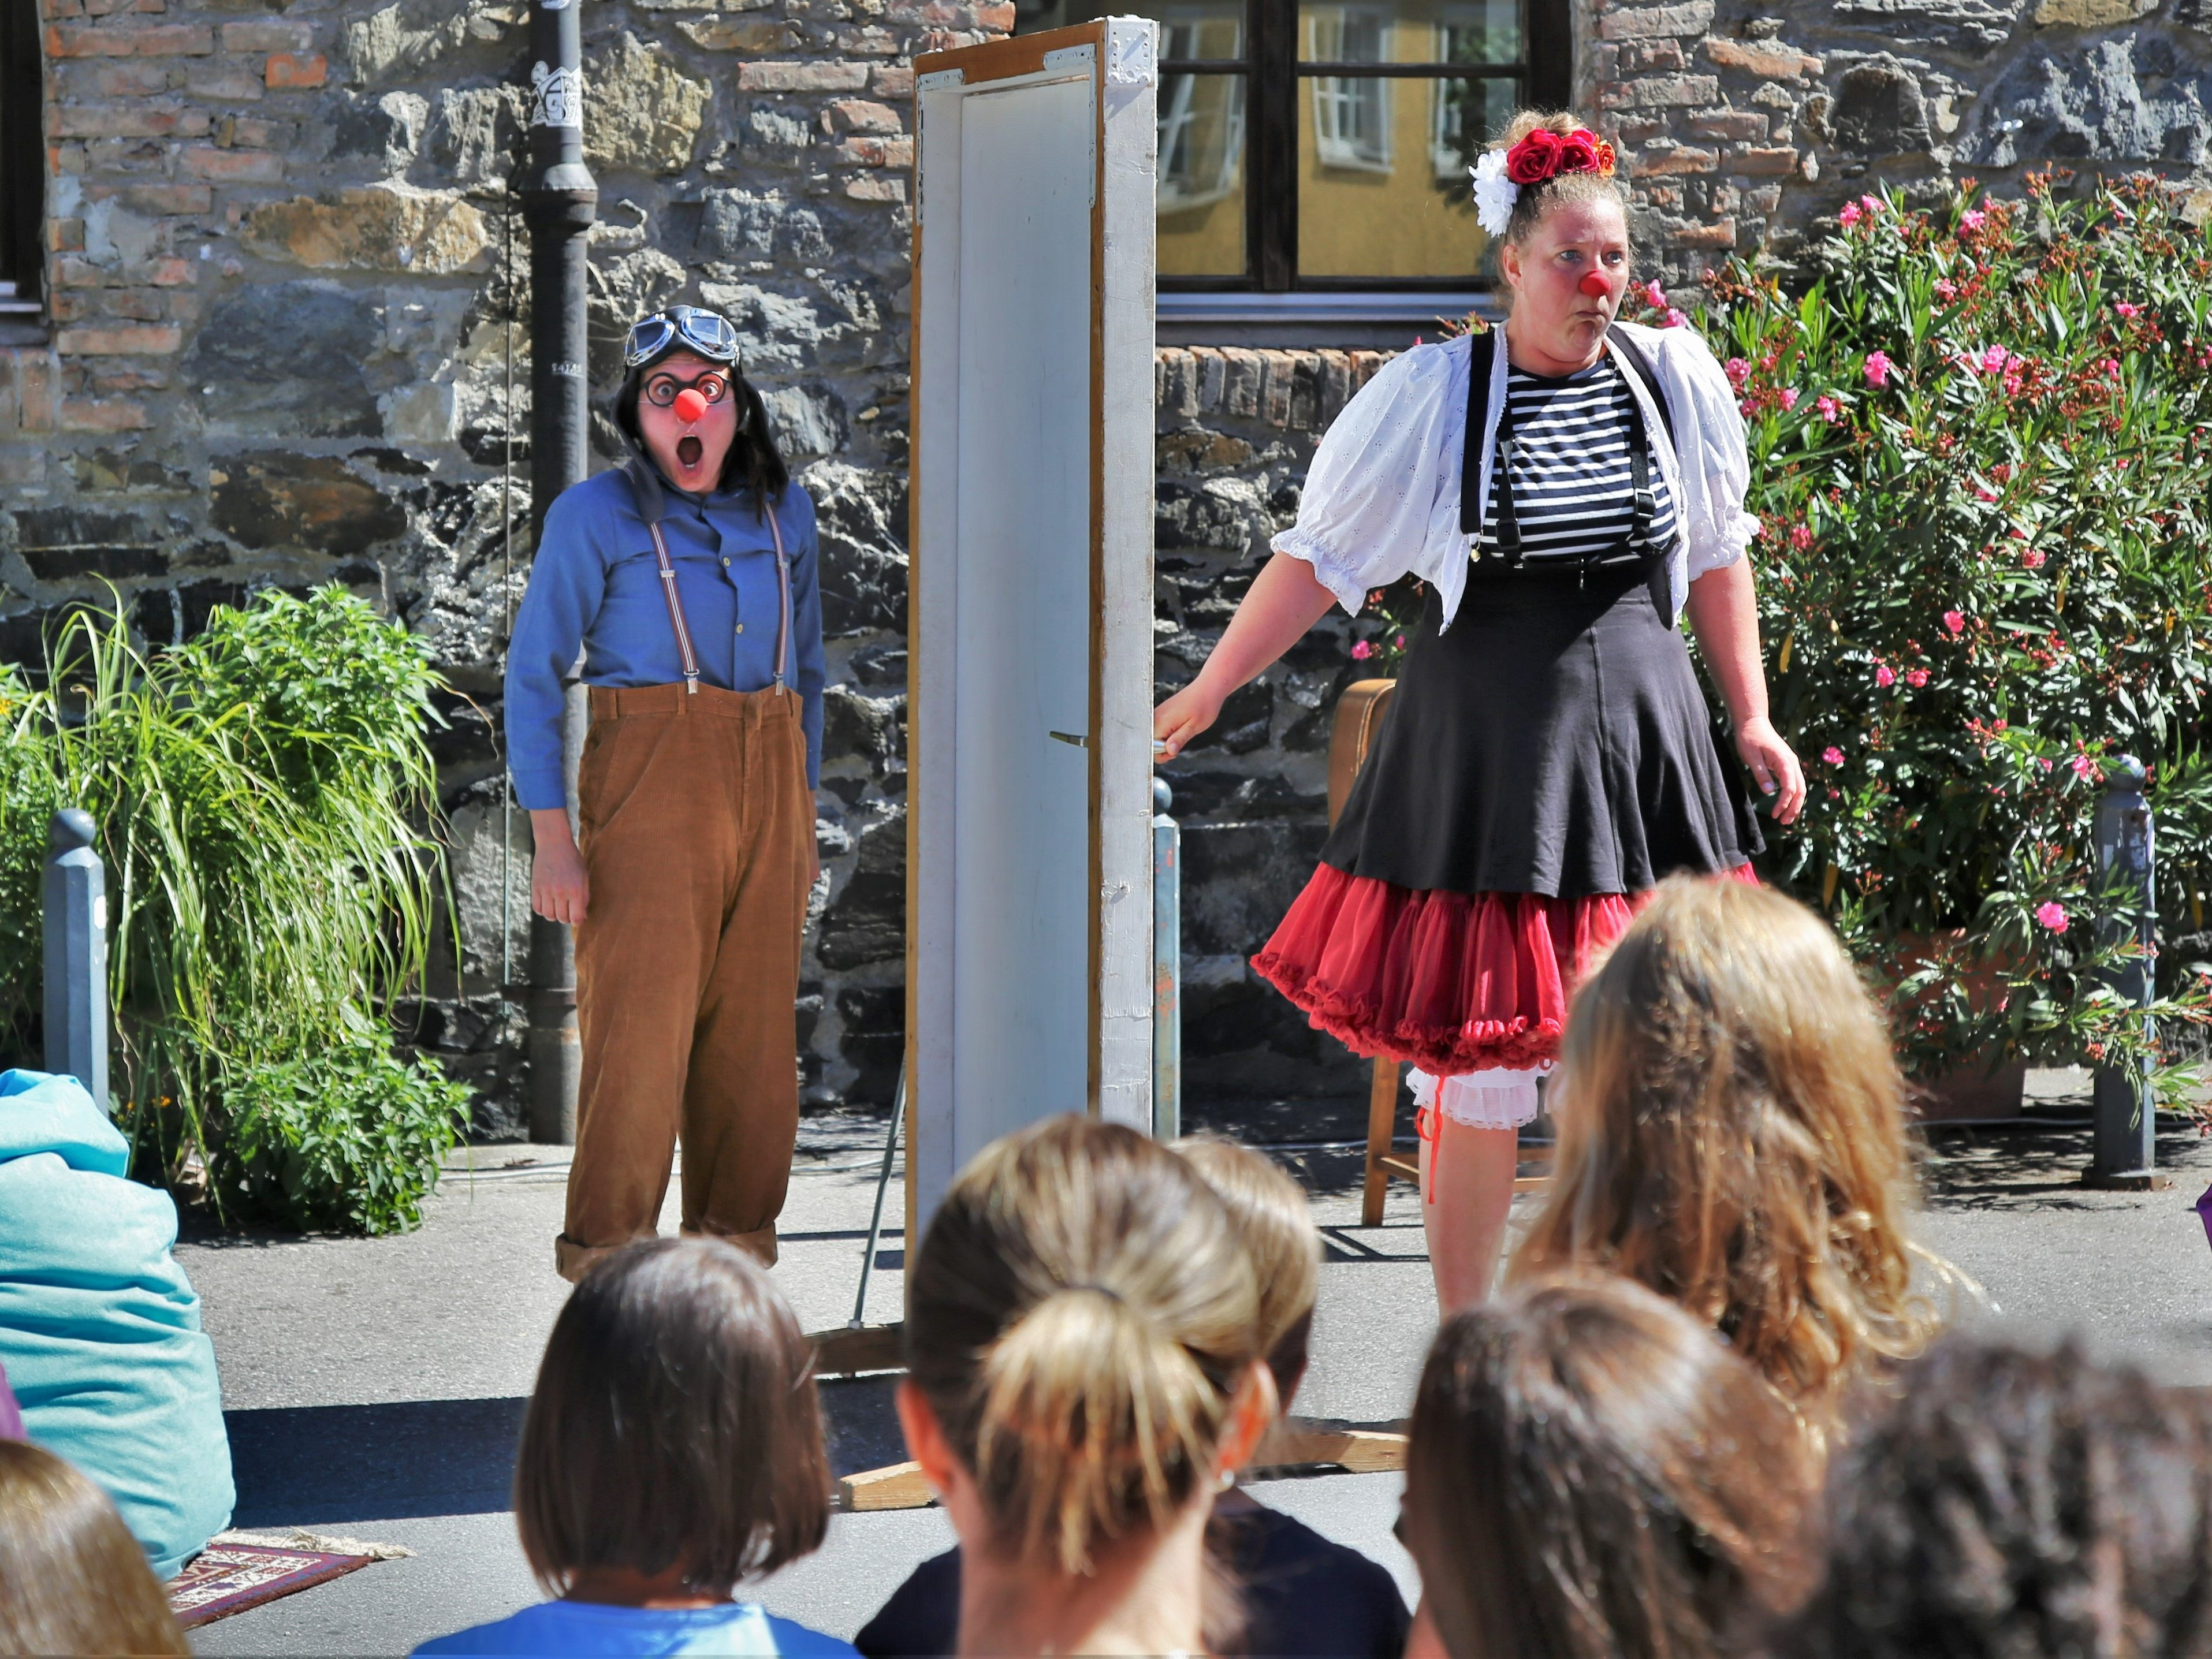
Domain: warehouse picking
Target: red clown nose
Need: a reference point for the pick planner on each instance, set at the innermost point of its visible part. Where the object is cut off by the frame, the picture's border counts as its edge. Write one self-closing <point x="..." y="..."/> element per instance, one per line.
<point x="690" y="404"/>
<point x="1597" y="284"/>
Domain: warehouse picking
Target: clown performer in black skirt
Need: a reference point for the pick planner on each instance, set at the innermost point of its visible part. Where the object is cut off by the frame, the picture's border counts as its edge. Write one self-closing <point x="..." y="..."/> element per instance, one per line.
<point x="1567" y="487"/>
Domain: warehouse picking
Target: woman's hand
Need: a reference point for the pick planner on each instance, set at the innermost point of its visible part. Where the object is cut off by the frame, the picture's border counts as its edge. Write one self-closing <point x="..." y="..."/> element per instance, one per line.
<point x="559" y="889"/>
<point x="1774" y="765"/>
<point x="1184" y="715"/>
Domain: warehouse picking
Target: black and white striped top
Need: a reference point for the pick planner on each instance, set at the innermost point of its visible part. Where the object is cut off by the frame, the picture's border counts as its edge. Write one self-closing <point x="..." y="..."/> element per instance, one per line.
<point x="1571" y="488"/>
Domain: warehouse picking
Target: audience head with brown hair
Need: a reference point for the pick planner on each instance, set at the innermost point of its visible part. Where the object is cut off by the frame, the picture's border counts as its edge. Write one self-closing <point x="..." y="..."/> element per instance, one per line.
<point x="2009" y="1502"/>
<point x="1731" y="1135"/>
<point x="72" y="1578"/>
<point x="1593" y="1476"/>
<point x="1086" y="1359"/>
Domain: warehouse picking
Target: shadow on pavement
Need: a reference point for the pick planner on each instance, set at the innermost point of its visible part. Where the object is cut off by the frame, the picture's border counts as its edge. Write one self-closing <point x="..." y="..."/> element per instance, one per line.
<point x="311" y="1466"/>
<point x="331" y="1466"/>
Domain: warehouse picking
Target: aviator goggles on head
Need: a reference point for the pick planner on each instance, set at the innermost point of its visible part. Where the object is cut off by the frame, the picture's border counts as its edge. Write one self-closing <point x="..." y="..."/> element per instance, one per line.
<point x="688" y="327"/>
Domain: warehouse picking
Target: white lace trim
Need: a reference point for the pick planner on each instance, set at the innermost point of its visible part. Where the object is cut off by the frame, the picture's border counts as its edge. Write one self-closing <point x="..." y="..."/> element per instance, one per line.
<point x="1494" y="1099"/>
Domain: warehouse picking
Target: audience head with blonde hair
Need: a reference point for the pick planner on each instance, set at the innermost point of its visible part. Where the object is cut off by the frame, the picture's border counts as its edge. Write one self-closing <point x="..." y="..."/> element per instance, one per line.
<point x="72" y="1578"/>
<point x="1273" y="1216"/>
<point x="1731" y="1135"/>
<point x="1593" y="1476"/>
<point x="1084" y="1354"/>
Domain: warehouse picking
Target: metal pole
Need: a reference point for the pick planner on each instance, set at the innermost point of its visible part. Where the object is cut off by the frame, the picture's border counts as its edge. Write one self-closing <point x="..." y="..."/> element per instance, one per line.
<point x="77" y="953"/>
<point x="883" y="1184"/>
<point x="559" y="204"/>
<point x="1167" y="966"/>
<point x="2125" y="1110"/>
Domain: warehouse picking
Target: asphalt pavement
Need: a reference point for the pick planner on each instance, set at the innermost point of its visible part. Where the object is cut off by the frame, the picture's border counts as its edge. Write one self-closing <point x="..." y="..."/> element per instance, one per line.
<point x="375" y="1387"/>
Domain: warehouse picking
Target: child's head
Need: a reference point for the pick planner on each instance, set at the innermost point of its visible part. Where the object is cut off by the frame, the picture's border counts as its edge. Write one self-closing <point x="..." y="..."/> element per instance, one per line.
<point x="1276" y="1223"/>
<point x="1084" y="1329"/>
<point x="2014" y="1502"/>
<point x="1731" y="1135"/>
<point x="674" y="1426"/>
<point x="72" y="1578"/>
<point x="1593" y="1476"/>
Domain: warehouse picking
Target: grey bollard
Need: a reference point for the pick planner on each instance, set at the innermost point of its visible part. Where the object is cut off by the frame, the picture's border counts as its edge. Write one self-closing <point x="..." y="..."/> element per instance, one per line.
<point x="2125" y="1112"/>
<point x="1167" y="966"/>
<point x="75" y="920"/>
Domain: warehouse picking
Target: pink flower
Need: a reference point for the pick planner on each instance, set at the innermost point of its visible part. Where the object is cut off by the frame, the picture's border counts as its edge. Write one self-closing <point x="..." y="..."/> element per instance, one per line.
<point x="1832" y="756"/>
<point x="1956" y="622"/>
<point x="2043" y="761"/>
<point x="1971" y="219"/>
<point x="2082" y="766"/>
<point x="2111" y="367"/>
<point x="1801" y="537"/>
<point x="2052" y="915"/>
<point x="1946" y="289"/>
<point x="1399" y="643"/>
<point x="1789" y="397"/>
<point x="1982" y="492"/>
<point x="1885" y="677"/>
<point x="1877" y="368"/>
<point x="1655" y="295"/>
<point x="1674" y="318"/>
<point x="2127" y="310"/>
<point x="1831" y="410"/>
<point x="2032" y="558"/>
<point x="1871" y="203"/>
<point x="1744" y="407"/>
<point x="1995" y="359"/>
<point x="1738" y="371"/>
<point x="1916" y="677"/>
<point x="1362" y="650"/>
<point x="1850" y="216"/>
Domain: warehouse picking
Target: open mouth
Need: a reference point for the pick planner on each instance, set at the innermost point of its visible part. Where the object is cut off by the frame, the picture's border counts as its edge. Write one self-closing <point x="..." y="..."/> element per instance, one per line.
<point x="689" y="449"/>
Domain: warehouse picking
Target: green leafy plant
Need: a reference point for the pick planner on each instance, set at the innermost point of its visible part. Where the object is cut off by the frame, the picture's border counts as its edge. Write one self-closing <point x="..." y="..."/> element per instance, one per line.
<point x="349" y="1140"/>
<point x="267" y="810"/>
<point x="1976" y="447"/>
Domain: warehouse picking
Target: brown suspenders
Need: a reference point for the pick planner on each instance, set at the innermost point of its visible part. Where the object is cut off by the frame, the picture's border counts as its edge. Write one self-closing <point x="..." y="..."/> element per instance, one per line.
<point x="690" y="657"/>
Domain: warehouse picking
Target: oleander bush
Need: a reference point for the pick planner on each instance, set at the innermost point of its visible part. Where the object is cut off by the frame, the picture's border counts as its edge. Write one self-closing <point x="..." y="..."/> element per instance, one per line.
<point x="267" y="808"/>
<point x="1978" y="439"/>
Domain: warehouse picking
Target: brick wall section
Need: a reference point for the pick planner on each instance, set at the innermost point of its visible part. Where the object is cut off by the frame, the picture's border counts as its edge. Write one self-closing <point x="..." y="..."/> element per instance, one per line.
<point x="279" y="304"/>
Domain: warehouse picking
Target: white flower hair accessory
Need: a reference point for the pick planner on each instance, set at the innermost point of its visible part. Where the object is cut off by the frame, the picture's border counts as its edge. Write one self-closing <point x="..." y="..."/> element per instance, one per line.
<point x="1494" y="194"/>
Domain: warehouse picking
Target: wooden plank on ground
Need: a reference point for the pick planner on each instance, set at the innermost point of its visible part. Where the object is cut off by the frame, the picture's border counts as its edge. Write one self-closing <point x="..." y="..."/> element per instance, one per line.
<point x="847" y="1349"/>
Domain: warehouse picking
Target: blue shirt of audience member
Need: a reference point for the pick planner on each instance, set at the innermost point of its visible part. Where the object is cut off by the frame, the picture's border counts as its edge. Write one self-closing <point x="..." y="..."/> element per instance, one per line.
<point x="559" y="1628"/>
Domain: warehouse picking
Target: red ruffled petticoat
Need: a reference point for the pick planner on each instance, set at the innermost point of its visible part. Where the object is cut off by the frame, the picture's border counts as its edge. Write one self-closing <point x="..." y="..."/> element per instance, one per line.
<point x="1450" y="982"/>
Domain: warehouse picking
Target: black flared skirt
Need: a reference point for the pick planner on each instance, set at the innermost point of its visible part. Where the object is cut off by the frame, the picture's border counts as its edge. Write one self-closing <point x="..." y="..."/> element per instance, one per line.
<point x="1554" y="740"/>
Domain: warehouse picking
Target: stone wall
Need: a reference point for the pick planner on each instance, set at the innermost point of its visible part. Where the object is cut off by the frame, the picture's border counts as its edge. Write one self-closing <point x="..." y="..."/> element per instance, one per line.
<point x="1236" y="430"/>
<point x="282" y="246"/>
<point x="1745" y="123"/>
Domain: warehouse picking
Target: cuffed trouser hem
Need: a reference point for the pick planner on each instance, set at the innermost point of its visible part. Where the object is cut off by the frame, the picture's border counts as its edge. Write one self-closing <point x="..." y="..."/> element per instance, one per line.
<point x="572" y="1260"/>
<point x="759" y="1244"/>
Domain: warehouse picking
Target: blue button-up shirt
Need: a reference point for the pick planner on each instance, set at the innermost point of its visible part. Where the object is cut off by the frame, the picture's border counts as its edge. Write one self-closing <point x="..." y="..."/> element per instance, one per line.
<point x="596" y="587"/>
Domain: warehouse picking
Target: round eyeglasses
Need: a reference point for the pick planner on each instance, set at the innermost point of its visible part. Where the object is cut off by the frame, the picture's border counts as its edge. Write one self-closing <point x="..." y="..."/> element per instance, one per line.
<point x="706" y="332"/>
<point x="663" y="390"/>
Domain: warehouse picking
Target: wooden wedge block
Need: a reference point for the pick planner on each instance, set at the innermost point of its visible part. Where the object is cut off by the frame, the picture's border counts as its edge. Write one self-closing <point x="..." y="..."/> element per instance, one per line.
<point x="1361" y="1447"/>
<point x="899" y="1486"/>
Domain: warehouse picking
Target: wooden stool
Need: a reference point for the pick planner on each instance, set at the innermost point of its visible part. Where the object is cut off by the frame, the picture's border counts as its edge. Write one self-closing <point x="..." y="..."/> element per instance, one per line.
<point x="1359" y="714"/>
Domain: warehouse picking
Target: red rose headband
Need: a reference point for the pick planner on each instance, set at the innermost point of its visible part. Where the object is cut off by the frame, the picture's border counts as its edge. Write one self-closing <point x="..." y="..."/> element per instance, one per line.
<point x="1502" y="174"/>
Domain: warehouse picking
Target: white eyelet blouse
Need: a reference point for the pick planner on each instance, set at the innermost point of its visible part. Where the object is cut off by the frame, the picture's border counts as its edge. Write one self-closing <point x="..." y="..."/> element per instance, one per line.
<point x="1382" y="498"/>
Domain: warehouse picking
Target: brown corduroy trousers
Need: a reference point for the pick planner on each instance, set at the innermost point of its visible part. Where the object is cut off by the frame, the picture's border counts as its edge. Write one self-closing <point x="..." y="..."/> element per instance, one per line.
<point x="696" y="824"/>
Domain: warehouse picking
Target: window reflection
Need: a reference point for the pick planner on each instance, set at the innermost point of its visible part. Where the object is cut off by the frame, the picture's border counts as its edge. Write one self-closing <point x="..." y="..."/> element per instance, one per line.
<point x="1469" y="32"/>
<point x="1390" y="199"/>
<point x="1201" y="175"/>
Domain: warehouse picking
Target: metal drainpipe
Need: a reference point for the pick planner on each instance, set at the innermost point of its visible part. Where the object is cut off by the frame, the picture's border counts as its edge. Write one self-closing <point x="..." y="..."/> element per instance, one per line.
<point x="559" y="204"/>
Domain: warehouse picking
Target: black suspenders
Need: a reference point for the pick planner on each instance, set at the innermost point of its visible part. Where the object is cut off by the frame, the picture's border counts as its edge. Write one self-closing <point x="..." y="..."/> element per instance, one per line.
<point x="1482" y="360"/>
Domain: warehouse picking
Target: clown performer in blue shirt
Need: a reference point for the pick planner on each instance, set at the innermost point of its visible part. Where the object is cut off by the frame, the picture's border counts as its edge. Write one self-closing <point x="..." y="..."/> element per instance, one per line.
<point x="687" y="580"/>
